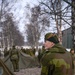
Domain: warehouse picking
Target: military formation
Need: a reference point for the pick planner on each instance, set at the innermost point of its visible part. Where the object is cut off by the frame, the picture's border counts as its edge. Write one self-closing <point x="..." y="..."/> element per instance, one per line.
<point x="53" y="58"/>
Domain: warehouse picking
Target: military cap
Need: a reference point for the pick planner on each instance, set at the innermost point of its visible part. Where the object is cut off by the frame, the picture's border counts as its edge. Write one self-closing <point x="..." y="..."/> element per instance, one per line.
<point x="51" y="37"/>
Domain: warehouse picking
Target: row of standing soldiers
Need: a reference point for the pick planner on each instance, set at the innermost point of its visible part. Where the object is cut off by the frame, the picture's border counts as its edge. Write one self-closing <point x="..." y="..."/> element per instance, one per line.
<point x="14" y="57"/>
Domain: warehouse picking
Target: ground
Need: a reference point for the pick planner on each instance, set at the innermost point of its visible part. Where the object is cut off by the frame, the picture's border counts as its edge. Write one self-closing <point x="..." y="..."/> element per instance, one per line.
<point x="29" y="71"/>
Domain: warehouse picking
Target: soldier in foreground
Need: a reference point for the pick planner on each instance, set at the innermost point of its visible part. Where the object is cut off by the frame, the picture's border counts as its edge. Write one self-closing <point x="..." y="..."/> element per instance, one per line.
<point x="14" y="57"/>
<point x="55" y="60"/>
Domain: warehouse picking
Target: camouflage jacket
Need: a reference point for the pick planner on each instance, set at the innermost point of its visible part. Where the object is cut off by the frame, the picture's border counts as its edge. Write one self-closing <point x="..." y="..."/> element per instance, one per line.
<point x="14" y="54"/>
<point x="56" y="61"/>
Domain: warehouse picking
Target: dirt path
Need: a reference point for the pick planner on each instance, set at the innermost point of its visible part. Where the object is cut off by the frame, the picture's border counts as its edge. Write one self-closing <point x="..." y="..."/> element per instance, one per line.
<point x="29" y="71"/>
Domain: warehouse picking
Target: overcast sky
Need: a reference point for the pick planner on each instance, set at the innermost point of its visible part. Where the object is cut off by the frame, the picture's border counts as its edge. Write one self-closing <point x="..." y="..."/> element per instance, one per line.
<point x="19" y="13"/>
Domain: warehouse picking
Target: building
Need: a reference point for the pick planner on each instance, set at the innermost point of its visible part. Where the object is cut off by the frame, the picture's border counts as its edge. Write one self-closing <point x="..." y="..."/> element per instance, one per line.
<point x="67" y="38"/>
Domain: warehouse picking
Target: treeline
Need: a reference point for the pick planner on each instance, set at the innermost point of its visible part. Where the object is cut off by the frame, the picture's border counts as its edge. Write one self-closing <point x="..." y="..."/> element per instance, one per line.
<point x="9" y="32"/>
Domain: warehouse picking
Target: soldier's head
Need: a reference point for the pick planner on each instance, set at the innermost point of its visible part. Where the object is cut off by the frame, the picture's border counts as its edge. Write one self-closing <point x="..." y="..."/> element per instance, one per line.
<point x="72" y="51"/>
<point x="50" y="40"/>
<point x="13" y="46"/>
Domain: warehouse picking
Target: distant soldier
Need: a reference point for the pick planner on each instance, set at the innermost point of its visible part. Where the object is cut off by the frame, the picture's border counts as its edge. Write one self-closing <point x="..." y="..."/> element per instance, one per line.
<point x="14" y="57"/>
<point x="41" y="52"/>
<point x="73" y="55"/>
<point x="0" y="54"/>
<point x="55" y="60"/>
<point x="5" y="51"/>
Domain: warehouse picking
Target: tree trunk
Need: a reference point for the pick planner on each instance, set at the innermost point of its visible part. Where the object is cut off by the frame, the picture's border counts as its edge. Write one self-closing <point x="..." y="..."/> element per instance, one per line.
<point x="73" y="23"/>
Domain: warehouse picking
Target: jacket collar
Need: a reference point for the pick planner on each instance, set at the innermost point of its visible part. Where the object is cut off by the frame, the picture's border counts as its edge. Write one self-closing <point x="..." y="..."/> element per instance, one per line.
<point x="57" y="48"/>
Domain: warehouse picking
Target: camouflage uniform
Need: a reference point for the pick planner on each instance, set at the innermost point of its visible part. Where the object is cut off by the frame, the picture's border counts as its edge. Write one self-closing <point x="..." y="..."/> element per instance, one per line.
<point x="56" y="60"/>
<point x="5" y="51"/>
<point x="14" y="57"/>
<point x="73" y="56"/>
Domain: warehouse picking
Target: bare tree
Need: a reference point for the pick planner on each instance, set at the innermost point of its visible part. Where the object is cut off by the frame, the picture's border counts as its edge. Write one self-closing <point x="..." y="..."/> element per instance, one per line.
<point x="12" y="35"/>
<point x="6" y="6"/>
<point x="31" y="35"/>
<point x="70" y="3"/>
<point x="73" y="22"/>
<point x="57" y="13"/>
<point x="37" y="25"/>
